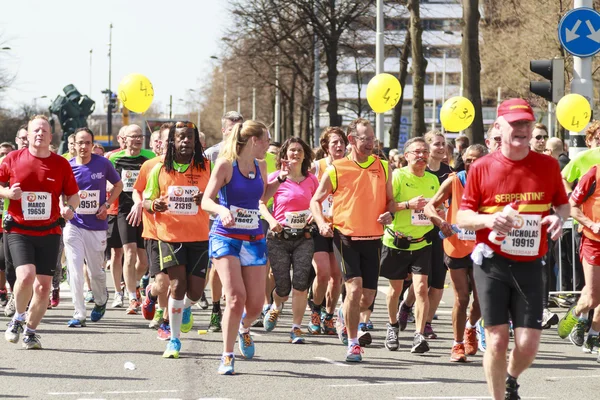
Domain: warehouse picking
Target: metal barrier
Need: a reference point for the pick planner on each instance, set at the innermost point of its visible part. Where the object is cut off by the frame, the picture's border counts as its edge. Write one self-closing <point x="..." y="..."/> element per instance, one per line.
<point x="568" y="224"/>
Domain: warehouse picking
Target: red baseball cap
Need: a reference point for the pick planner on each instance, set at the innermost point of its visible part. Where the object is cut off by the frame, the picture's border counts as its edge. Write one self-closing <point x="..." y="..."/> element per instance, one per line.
<point x="516" y="110"/>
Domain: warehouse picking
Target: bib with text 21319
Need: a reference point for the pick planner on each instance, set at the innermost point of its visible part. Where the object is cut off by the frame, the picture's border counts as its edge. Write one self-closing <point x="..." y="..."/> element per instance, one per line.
<point x="129" y="177"/>
<point x="181" y="200"/>
<point x="244" y="219"/>
<point x="89" y="202"/>
<point x="36" y="205"/>
<point x="296" y="219"/>
<point x="524" y="239"/>
<point x="466" y="235"/>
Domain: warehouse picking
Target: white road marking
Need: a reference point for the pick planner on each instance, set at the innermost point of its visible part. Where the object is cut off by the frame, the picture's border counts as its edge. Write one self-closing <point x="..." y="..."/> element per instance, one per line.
<point x="554" y="378"/>
<point x="68" y="393"/>
<point x="386" y="384"/>
<point x="458" y="397"/>
<point x="327" y="360"/>
<point x="111" y="392"/>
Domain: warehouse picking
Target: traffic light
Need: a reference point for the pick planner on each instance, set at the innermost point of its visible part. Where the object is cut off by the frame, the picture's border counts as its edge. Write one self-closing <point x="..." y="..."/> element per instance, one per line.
<point x="554" y="71"/>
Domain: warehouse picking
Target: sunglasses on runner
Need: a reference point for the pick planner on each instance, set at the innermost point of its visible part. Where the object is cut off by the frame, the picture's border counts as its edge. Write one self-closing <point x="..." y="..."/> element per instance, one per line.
<point x="539" y="137"/>
<point x="185" y="124"/>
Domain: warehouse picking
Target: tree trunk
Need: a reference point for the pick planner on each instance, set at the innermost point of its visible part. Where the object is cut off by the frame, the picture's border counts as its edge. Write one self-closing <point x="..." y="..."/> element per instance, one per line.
<point x="471" y="66"/>
<point x="331" y="59"/>
<point x="397" y="115"/>
<point x="419" y="65"/>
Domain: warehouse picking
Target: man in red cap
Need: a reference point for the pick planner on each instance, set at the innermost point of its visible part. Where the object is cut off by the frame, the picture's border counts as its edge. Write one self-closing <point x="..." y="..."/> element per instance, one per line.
<point x="508" y="271"/>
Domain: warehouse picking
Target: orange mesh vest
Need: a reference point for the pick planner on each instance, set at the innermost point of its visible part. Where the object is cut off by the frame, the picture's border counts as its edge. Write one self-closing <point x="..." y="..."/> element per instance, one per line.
<point x="360" y="198"/>
<point x="591" y="209"/>
<point x="184" y="221"/>
<point x="453" y="246"/>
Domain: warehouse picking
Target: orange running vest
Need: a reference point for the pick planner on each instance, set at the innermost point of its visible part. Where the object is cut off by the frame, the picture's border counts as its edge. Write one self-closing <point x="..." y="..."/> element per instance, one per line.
<point x="591" y="209"/>
<point x="453" y="246"/>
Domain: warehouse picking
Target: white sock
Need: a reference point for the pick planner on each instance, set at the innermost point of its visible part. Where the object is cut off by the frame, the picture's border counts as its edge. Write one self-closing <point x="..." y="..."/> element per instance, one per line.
<point x="455" y="343"/>
<point x="175" y="316"/>
<point x="228" y="355"/>
<point x="243" y="330"/>
<point x="592" y="332"/>
<point x="352" y="342"/>
<point x="20" y="317"/>
<point x="276" y="307"/>
<point x="294" y="326"/>
<point x="132" y="296"/>
<point x="468" y="325"/>
<point x="187" y="302"/>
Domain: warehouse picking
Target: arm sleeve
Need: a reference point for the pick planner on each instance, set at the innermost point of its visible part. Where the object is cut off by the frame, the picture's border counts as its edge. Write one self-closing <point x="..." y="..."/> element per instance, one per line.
<point x="472" y="194"/>
<point x="584" y="185"/>
<point x="152" y="190"/>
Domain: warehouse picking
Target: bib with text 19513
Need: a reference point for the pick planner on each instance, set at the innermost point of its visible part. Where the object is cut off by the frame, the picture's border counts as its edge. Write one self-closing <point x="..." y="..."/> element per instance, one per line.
<point x="129" y="177"/>
<point x="89" y="202"/>
<point x="244" y="218"/>
<point x="36" y="206"/>
<point x="181" y="200"/>
<point x="524" y="239"/>
<point x="297" y="219"/>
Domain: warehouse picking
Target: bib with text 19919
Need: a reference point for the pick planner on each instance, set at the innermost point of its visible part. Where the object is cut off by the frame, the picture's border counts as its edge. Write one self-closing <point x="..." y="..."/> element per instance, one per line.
<point x="36" y="206"/>
<point x="524" y="239"/>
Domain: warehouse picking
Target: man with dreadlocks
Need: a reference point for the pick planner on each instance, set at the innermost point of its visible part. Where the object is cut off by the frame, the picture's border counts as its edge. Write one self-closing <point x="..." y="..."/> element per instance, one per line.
<point x="173" y="193"/>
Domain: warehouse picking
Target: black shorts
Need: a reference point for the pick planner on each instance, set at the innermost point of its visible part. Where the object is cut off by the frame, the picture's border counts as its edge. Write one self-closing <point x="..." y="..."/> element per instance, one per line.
<point x="263" y="224"/>
<point x="458" y="263"/>
<point x="194" y="255"/>
<point x="2" y="256"/>
<point x="506" y="287"/>
<point x="323" y="243"/>
<point x="41" y="251"/>
<point x="358" y="258"/>
<point x="129" y="233"/>
<point x="437" y="274"/>
<point x="113" y="239"/>
<point x="153" y="254"/>
<point x="397" y="264"/>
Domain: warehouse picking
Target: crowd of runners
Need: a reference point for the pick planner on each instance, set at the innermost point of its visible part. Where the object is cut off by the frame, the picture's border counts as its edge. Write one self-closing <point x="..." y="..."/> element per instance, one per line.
<point x="258" y="224"/>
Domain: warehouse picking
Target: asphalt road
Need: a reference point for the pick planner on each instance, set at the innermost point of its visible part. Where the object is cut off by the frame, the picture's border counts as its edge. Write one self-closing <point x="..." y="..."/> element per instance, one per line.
<point x="88" y="363"/>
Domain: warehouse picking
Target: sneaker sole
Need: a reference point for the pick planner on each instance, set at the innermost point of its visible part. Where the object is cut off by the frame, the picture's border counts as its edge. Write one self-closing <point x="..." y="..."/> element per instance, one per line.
<point x="459" y="360"/>
<point x="350" y="360"/>
<point x="365" y="340"/>
<point x="420" y="349"/>
<point x="313" y="331"/>
<point x="226" y="373"/>
<point x="392" y="348"/>
<point x="175" y="356"/>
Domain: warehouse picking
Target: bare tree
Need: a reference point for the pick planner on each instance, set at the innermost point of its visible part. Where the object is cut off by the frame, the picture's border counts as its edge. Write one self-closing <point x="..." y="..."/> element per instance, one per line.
<point x="419" y="66"/>
<point x="403" y="73"/>
<point x="471" y="66"/>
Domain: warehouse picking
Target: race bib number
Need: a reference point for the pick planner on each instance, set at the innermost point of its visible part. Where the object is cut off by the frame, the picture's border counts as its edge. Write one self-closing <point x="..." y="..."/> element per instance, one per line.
<point x="297" y="219"/>
<point x="36" y="205"/>
<point x="244" y="219"/>
<point x="466" y="235"/>
<point x="181" y="200"/>
<point x="89" y="202"/>
<point x="524" y="239"/>
<point x="129" y="177"/>
<point x="418" y="217"/>
<point x="327" y="206"/>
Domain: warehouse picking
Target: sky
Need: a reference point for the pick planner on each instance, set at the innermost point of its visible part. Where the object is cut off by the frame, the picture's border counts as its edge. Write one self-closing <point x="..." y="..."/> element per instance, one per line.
<point x="170" y="42"/>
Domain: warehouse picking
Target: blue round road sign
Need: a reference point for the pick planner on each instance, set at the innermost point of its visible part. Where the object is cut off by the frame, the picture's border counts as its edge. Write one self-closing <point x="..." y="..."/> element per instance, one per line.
<point x="579" y="32"/>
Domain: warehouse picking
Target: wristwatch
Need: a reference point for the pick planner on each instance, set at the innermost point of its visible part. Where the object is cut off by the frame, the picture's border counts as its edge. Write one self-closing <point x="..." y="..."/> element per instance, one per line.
<point x="70" y="207"/>
<point x="281" y="180"/>
<point x="107" y="205"/>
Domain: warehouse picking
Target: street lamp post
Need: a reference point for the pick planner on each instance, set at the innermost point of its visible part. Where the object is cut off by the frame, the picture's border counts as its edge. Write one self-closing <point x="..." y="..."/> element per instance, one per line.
<point x="199" y="108"/>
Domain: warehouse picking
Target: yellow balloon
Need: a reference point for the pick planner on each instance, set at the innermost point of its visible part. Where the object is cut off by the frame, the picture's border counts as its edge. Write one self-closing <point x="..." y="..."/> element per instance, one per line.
<point x="457" y="114"/>
<point x="573" y="112"/>
<point x="383" y="92"/>
<point x="136" y="92"/>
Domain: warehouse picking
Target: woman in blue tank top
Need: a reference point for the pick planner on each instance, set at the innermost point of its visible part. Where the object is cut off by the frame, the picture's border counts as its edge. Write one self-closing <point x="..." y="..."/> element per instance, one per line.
<point x="236" y="239"/>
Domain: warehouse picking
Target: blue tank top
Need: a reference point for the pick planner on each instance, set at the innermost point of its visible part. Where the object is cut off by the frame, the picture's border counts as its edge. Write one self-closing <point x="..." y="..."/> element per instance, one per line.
<point x="241" y="196"/>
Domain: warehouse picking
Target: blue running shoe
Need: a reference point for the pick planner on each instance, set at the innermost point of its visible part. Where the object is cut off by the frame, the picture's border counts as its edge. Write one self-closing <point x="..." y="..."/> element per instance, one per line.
<point x="270" y="321"/>
<point x="354" y="354"/>
<point x="362" y="326"/>
<point x="480" y="330"/>
<point x="173" y="349"/>
<point x="226" y="366"/>
<point x="187" y="320"/>
<point x="98" y="312"/>
<point x="314" y="326"/>
<point x="369" y="325"/>
<point x="246" y="345"/>
<point x="76" y="323"/>
<point x="296" y="336"/>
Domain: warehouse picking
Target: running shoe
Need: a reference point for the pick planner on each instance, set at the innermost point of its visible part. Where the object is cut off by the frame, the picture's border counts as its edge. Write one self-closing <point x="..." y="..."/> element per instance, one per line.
<point x="458" y="353"/>
<point x="10" y="308"/>
<point x="428" y="332"/>
<point x="566" y="324"/>
<point x="314" y="326"/>
<point x="55" y="299"/>
<point x="134" y="307"/>
<point x="258" y="322"/>
<point x="591" y="343"/>
<point x="354" y="354"/>
<point x="164" y="331"/>
<point x="14" y="330"/>
<point x="362" y="326"/>
<point x="98" y="312"/>
<point x="577" y="335"/>
<point x="419" y="345"/>
<point x="411" y="316"/>
<point x="471" y="342"/>
<point x="226" y="366"/>
<point x="215" y="322"/>
<point x="328" y="325"/>
<point x="76" y="323"/>
<point x="480" y="329"/>
<point x="402" y="316"/>
<point x="271" y="318"/>
<point x="391" y="338"/>
<point x="3" y="297"/>
<point x="203" y="303"/>
<point x="157" y="320"/>
<point x="340" y="327"/>
<point x="144" y="282"/>
<point x="188" y="320"/>
<point x="511" y="329"/>
<point x="138" y="293"/>
<point x="548" y="319"/>
<point x="32" y="342"/>
<point x="118" y="300"/>
<point x="246" y="345"/>
<point x="89" y="296"/>
<point x="512" y="390"/>
<point x="296" y="336"/>
<point x="364" y="338"/>
<point x="173" y="349"/>
<point x="148" y="305"/>
<point x="370" y="325"/>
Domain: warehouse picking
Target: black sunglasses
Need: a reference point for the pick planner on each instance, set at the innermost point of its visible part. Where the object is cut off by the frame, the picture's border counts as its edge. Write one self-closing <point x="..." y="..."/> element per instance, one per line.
<point x="539" y="137"/>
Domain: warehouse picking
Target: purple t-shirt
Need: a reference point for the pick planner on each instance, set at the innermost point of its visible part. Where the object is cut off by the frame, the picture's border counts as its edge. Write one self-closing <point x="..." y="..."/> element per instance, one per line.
<point x="91" y="179"/>
<point x="291" y="202"/>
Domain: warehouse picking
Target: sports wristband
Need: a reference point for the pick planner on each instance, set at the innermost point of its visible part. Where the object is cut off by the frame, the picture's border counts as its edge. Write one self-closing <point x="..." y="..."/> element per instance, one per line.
<point x="281" y="180"/>
<point x="407" y="205"/>
<point x="107" y="205"/>
<point x="71" y="207"/>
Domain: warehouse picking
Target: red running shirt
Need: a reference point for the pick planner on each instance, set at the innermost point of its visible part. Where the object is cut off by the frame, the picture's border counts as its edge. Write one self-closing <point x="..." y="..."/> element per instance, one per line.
<point x="495" y="181"/>
<point x="43" y="181"/>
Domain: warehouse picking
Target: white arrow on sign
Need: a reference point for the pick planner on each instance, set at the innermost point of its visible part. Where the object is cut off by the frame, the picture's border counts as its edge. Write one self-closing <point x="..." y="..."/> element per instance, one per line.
<point x="571" y="35"/>
<point x="595" y="35"/>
